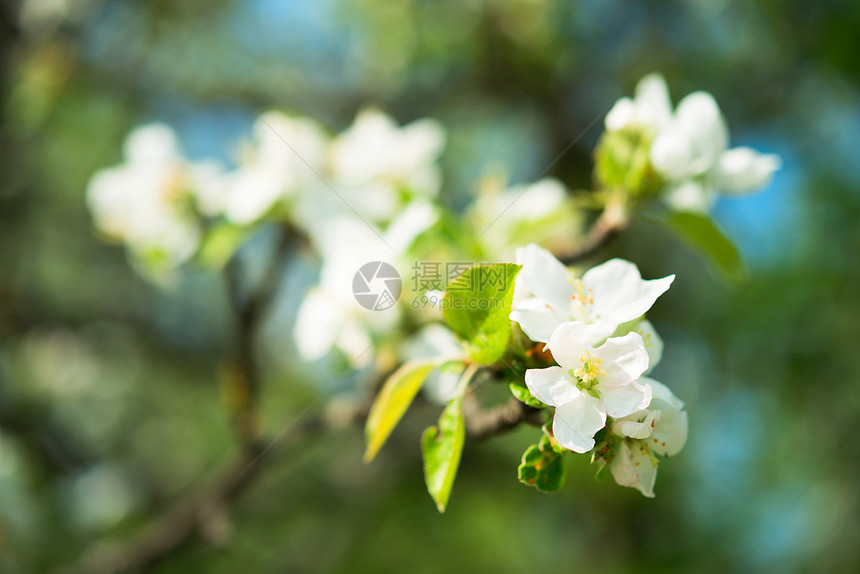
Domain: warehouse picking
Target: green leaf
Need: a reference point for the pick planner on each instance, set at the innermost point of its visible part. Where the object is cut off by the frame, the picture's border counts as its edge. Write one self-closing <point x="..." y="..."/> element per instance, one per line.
<point x="702" y="234"/>
<point x="522" y="393"/>
<point x="392" y="401"/>
<point x="219" y="245"/>
<point x="542" y="467"/>
<point x="477" y="306"/>
<point x="441" y="447"/>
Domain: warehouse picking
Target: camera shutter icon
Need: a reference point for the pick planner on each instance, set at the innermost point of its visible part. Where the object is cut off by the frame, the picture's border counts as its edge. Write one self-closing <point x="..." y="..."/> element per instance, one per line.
<point x="377" y="285"/>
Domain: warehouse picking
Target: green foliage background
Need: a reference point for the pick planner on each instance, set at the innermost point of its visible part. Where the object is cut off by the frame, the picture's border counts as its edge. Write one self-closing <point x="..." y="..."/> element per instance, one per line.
<point x="109" y="400"/>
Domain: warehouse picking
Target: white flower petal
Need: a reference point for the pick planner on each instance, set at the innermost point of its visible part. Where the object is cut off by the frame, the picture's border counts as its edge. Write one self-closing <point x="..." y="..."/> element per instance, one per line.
<point x="690" y="196"/>
<point x="623" y="400"/>
<point x="355" y="342"/>
<point x="569" y="342"/>
<point x="699" y="116"/>
<point x="663" y="394"/>
<point x="545" y="276"/>
<point x="540" y="199"/>
<point x="653" y="343"/>
<point x="537" y="319"/>
<point x="621" y="466"/>
<point x="632" y="427"/>
<point x="672" y="155"/>
<point x="552" y="386"/>
<point x="154" y="143"/>
<point x="249" y="194"/>
<point x="422" y="142"/>
<point x="632" y="467"/>
<point x="599" y="330"/>
<point x="653" y="102"/>
<point x="290" y="143"/>
<point x="441" y="386"/>
<point x="624" y="359"/>
<point x="407" y="226"/>
<point x="434" y="340"/>
<point x="375" y="149"/>
<point x="622" y="114"/>
<point x="318" y="323"/>
<point x="619" y="292"/>
<point x="576" y="422"/>
<point x="669" y="438"/>
<point x="670" y="433"/>
<point x="743" y="170"/>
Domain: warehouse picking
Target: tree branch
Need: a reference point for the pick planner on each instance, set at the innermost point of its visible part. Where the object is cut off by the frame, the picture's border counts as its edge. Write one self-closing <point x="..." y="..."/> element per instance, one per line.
<point x="484" y="423"/>
<point x="242" y="379"/>
<point x="198" y="514"/>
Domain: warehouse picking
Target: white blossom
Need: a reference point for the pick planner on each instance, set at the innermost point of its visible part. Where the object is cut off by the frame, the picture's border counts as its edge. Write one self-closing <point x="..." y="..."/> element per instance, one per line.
<point x="285" y="159"/>
<point x="692" y="155"/>
<point x="375" y="163"/>
<point x="503" y="218"/>
<point x="660" y="429"/>
<point x="690" y="146"/>
<point x="590" y="383"/>
<point x="146" y="201"/>
<point x="650" y="109"/>
<point x="605" y="297"/>
<point x="329" y="316"/>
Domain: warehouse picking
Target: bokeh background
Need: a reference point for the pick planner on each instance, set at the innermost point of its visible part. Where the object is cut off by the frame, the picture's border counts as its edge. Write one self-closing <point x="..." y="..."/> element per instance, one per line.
<point x="109" y="402"/>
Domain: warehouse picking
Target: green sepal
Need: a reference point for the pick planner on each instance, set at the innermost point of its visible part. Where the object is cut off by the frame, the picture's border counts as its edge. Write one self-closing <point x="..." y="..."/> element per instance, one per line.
<point x="522" y="393"/>
<point x="542" y="466"/>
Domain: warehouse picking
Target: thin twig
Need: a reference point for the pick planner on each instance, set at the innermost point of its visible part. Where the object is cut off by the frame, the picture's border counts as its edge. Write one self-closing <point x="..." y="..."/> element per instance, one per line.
<point x="611" y="222"/>
<point x="484" y="423"/>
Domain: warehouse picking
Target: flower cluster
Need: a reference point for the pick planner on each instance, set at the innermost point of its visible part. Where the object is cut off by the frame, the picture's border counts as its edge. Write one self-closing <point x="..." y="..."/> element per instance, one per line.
<point x="602" y="348"/>
<point x="689" y="146"/>
<point x="147" y="202"/>
<point x="162" y="206"/>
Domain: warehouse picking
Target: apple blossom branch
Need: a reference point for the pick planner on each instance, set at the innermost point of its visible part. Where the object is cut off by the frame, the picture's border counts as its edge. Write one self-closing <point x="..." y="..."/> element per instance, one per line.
<point x="203" y="513"/>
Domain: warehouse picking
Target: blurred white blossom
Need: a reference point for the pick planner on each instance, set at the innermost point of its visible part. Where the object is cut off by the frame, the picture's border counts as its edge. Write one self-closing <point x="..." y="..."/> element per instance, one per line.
<point x="649" y="109"/>
<point x="540" y="212"/>
<point x="375" y="164"/>
<point x="146" y="202"/>
<point x="653" y="343"/>
<point x="284" y="160"/>
<point x="690" y="146"/>
<point x="330" y="316"/>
